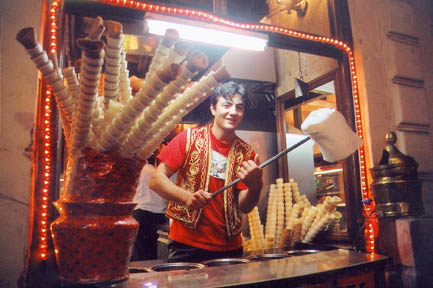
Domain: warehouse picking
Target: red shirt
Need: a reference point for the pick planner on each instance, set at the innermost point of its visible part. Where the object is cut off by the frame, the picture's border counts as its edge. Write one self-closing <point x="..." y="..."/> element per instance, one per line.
<point x="210" y="233"/>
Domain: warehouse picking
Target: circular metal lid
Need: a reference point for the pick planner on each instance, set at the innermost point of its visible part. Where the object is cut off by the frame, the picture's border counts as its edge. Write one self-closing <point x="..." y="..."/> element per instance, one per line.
<point x="224" y="261"/>
<point x="393" y="162"/>
<point x="176" y="266"/>
<point x="269" y="256"/>
<point x="133" y="270"/>
<point x="301" y="252"/>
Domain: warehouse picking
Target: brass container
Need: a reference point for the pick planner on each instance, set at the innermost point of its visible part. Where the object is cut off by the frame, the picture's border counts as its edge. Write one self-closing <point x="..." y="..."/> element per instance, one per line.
<point x="396" y="187"/>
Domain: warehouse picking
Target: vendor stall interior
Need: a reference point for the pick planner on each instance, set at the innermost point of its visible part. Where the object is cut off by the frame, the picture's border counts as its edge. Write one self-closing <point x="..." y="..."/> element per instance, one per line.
<point x="324" y="64"/>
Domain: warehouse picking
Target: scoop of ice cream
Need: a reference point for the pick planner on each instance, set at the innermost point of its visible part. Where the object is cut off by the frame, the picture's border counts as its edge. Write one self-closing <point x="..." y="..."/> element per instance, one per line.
<point x="328" y="128"/>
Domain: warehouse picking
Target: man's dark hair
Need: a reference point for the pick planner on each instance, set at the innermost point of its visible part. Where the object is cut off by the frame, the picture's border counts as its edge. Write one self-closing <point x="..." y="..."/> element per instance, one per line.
<point x="227" y="90"/>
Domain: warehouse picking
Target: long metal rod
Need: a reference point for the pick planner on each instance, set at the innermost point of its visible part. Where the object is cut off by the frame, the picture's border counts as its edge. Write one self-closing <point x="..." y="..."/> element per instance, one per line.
<point x="264" y="164"/>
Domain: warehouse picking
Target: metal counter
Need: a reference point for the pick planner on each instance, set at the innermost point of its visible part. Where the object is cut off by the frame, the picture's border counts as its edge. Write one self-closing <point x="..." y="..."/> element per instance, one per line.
<point x="318" y="268"/>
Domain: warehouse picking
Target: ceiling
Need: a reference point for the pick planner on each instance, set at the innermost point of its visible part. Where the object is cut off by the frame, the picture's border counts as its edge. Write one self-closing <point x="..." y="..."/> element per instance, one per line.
<point x="241" y="10"/>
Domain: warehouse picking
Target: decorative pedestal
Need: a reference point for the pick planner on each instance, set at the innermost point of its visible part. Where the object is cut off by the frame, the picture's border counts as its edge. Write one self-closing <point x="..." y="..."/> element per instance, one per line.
<point x="404" y="234"/>
<point x="408" y="241"/>
<point x="95" y="233"/>
<point x="93" y="241"/>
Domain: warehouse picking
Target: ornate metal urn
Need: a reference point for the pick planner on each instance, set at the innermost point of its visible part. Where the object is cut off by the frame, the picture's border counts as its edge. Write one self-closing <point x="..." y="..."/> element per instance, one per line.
<point x="396" y="187"/>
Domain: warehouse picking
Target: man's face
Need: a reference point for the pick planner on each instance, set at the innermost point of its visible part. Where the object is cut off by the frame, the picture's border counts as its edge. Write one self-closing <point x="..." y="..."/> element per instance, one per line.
<point x="228" y="113"/>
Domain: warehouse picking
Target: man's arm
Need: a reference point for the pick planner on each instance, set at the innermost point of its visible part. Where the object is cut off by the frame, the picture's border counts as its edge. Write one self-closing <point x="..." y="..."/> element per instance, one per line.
<point x="161" y="184"/>
<point x="251" y="174"/>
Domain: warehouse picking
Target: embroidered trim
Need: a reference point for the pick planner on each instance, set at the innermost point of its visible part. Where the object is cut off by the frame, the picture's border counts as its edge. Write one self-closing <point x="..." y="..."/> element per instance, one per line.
<point x="195" y="175"/>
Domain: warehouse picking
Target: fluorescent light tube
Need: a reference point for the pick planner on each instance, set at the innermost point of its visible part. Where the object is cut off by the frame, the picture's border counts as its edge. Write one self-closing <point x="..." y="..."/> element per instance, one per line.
<point x="200" y="33"/>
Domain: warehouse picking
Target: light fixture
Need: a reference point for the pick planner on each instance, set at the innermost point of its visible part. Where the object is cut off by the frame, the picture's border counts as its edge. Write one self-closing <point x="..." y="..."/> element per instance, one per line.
<point x="206" y="33"/>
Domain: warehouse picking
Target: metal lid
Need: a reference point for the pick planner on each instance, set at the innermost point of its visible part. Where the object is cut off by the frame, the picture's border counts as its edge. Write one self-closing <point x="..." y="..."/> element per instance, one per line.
<point x="301" y="252"/>
<point x="225" y="261"/>
<point x="393" y="162"/>
<point x="268" y="256"/>
<point x="133" y="270"/>
<point x="177" y="266"/>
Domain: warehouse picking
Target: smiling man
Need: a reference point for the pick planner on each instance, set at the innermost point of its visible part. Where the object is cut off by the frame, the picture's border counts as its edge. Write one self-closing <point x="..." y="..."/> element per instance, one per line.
<point x="207" y="158"/>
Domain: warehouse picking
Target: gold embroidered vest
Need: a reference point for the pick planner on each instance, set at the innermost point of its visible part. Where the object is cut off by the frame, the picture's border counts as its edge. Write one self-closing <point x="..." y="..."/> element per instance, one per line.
<point x="194" y="176"/>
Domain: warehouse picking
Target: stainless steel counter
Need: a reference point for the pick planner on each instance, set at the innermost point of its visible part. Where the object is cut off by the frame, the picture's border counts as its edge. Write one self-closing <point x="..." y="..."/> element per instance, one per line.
<point x="306" y="269"/>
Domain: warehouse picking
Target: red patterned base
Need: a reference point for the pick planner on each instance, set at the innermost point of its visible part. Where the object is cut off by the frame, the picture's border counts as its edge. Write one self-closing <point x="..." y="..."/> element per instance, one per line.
<point x="93" y="241"/>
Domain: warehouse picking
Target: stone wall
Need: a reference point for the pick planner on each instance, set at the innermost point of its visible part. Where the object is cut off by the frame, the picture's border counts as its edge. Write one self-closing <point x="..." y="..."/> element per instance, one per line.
<point x="18" y="86"/>
<point x="393" y="53"/>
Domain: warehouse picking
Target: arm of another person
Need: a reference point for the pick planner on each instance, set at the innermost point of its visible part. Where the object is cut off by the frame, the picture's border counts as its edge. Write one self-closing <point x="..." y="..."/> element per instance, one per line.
<point x="251" y="174"/>
<point x="161" y="184"/>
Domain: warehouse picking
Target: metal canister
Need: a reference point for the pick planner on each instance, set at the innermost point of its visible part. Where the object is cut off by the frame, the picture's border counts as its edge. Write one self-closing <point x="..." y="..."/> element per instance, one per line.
<point x="396" y="186"/>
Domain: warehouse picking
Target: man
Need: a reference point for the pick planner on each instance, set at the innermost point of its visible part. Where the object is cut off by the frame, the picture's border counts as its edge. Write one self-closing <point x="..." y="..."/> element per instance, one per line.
<point x="207" y="158"/>
<point x="149" y="213"/>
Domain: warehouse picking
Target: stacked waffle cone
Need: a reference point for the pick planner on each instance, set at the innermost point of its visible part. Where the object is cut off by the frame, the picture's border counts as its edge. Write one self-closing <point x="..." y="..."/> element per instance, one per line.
<point x="280" y="209"/>
<point x="116" y="121"/>
<point x="257" y="240"/>
<point x="271" y="217"/>
<point x="290" y="218"/>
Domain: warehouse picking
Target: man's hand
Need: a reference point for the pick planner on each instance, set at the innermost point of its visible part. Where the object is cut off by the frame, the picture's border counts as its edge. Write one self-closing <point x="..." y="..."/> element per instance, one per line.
<point x="198" y="199"/>
<point x="251" y="174"/>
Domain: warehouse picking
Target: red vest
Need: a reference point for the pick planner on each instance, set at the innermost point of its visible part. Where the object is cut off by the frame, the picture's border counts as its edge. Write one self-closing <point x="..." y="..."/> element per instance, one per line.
<point x="194" y="176"/>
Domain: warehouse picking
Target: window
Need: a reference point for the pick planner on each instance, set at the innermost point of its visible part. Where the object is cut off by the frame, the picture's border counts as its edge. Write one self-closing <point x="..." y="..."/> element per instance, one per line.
<point x="316" y="177"/>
